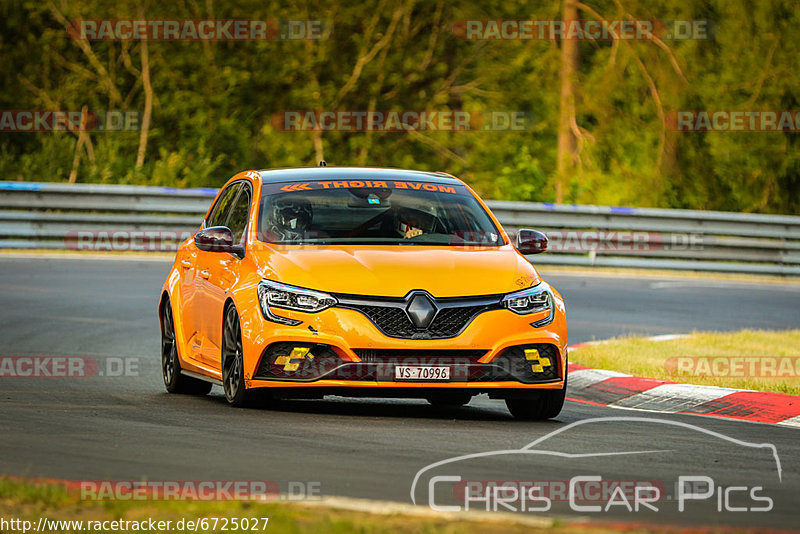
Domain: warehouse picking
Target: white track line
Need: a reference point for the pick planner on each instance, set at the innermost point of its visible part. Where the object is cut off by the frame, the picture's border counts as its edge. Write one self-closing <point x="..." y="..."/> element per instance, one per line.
<point x="661" y="337"/>
<point x="667" y="337"/>
<point x="673" y="397"/>
<point x="728" y="284"/>
<point x="583" y="378"/>
<point x="793" y="422"/>
<point x="666" y="398"/>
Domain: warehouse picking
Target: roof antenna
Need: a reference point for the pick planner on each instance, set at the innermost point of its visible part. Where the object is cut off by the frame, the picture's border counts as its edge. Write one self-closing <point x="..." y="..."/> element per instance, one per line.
<point x="322" y="163"/>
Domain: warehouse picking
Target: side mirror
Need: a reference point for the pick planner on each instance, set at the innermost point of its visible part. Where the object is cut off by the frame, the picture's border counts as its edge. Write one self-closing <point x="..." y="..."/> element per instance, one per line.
<point x="531" y="241"/>
<point x="217" y="239"/>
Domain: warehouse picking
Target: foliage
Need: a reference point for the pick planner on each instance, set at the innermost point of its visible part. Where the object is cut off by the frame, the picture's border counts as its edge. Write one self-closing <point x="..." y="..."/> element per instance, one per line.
<point x="213" y="102"/>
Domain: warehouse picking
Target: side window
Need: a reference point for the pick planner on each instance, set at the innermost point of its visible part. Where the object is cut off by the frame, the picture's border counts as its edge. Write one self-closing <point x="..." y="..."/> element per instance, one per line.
<point x="220" y="211"/>
<point x="237" y="221"/>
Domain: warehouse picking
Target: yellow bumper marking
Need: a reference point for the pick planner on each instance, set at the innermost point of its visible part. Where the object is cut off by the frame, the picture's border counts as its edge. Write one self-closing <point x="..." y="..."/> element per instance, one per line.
<point x="539" y="365"/>
<point x="299" y="353"/>
<point x="293" y="360"/>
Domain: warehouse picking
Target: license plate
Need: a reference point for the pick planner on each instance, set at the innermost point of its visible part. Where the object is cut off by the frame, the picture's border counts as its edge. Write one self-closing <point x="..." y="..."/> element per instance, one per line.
<point x="408" y="372"/>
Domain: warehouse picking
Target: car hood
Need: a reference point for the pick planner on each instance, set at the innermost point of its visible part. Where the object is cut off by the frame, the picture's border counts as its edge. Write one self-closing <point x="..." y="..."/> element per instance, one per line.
<point x="395" y="270"/>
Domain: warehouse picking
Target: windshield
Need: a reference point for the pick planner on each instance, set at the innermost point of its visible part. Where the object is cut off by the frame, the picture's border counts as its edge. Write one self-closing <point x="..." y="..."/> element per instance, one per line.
<point x="374" y="213"/>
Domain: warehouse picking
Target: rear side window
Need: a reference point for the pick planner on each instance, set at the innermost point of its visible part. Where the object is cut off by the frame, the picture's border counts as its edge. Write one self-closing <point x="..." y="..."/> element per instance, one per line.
<point x="220" y="212"/>
<point x="237" y="221"/>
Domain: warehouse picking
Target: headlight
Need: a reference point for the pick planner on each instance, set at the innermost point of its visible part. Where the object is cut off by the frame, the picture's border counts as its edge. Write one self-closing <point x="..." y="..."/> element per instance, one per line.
<point x="535" y="299"/>
<point x="277" y="295"/>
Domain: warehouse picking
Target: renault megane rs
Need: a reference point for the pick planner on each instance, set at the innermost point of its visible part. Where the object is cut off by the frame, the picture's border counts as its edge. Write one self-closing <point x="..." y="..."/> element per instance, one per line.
<point x="362" y="282"/>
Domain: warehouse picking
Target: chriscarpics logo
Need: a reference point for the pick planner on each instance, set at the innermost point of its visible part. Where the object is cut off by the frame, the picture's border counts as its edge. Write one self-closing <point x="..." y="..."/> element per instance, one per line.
<point x="610" y="466"/>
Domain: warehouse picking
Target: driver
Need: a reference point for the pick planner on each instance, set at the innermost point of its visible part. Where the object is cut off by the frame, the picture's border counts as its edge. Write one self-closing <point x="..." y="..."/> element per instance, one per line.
<point x="410" y="223"/>
<point x="290" y="218"/>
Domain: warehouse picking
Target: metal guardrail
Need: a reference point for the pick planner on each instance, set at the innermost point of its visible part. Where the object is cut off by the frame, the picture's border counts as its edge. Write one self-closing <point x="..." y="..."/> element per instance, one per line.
<point x="61" y="216"/>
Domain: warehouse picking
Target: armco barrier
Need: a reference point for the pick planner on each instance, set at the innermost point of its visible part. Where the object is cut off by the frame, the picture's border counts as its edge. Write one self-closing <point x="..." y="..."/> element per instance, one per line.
<point x="49" y="216"/>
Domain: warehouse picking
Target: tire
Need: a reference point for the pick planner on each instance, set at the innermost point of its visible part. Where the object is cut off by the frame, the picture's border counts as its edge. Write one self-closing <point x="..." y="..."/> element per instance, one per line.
<point x="449" y="400"/>
<point x="543" y="404"/>
<point x="174" y="380"/>
<point x="232" y="362"/>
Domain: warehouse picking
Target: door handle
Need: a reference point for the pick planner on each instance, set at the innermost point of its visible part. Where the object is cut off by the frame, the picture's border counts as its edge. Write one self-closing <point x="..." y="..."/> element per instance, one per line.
<point x="205" y="274"/>
<point x="186" y="264"/>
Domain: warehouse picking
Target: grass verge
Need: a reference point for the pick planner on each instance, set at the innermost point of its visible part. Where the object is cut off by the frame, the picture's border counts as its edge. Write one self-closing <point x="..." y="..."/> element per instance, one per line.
<point x="27" y="500"/>
<point x="763" y="360"/>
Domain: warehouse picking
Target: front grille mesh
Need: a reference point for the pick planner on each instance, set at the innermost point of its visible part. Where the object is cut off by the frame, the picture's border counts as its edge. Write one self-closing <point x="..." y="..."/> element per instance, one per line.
<point x="419" y="357"/>
<point x="450" y="321"/>
<point x="394" y="322"/>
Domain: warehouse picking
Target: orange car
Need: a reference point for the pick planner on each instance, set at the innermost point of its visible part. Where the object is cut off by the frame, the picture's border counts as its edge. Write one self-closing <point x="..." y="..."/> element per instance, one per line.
<point x="362" y="282"/>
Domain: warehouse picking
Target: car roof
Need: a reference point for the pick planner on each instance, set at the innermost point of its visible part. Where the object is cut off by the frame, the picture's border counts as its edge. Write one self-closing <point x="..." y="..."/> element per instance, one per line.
<point x="357" y="173"/>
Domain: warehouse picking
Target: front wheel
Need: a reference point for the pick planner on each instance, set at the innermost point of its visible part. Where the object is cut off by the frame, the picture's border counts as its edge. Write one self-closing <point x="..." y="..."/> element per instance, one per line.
<point x="541" y="405"/>
<point x="232" y="361"/>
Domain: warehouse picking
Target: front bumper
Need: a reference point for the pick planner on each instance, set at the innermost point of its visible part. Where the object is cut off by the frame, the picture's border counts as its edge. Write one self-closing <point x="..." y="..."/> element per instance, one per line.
<point x="350" y="353"/>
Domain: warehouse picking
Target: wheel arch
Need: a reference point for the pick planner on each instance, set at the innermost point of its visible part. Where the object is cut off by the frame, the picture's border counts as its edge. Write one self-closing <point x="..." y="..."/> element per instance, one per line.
<point x="227" y="304"/>
<point x="161" y="302"/>
<point x="177" y="321"/>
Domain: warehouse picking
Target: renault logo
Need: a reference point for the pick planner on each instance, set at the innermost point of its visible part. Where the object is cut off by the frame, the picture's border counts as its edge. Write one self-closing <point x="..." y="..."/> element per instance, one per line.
<point x="421" y="310"/>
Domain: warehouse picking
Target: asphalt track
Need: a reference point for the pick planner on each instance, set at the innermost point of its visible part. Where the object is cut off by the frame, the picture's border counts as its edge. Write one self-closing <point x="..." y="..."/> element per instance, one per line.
<point x="129" y="428"/>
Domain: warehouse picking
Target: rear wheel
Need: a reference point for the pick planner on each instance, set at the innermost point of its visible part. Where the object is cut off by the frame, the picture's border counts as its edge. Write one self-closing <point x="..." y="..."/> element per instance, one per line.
<point x="540" y="405"/>
<point x="232" y="362"/>
<point x="174" y="381"/>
